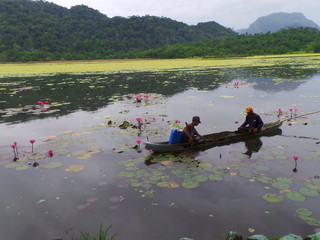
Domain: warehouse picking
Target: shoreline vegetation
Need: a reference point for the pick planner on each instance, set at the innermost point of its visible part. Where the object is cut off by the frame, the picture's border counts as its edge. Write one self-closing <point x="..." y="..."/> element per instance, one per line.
<point x="310" y="60"/>
<point x="232" y="235"/>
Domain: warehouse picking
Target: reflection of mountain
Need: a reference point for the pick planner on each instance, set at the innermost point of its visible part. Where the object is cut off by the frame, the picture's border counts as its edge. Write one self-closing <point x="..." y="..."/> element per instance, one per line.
<point x="273" y="84"/>
<point x="93" y="91"/>
<point x="272" y="79"/>
<point x="283" y="81"/>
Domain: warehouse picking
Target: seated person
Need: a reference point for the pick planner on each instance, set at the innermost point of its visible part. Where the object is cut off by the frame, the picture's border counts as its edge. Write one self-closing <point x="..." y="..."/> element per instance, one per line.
<point x="190" y="134"/>
<point x="253" y="122"/>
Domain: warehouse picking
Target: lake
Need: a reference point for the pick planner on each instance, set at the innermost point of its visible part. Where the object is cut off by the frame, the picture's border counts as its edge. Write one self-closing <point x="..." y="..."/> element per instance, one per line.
<point x="99" y="172"/>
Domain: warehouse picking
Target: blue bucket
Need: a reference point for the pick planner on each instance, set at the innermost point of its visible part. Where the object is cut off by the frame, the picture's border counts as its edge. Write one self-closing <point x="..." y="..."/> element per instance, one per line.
<point x="175" y="137"/>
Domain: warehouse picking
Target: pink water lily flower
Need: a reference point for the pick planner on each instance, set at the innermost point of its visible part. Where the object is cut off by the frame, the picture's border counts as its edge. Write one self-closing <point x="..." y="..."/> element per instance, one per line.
<point x="13" y="146"/>
<point x="295" y="158"/>
<point x="32" y="141"/>
<point x="138" y="141"/>
<point x="50" y="153"/>
<point x="139" y="119"/>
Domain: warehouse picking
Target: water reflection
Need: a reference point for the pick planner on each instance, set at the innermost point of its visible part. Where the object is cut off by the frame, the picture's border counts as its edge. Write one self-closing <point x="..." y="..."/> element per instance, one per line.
<point x="252" y="145"/>
<point x="295" y="166"/>
<point x="90" y="92"/>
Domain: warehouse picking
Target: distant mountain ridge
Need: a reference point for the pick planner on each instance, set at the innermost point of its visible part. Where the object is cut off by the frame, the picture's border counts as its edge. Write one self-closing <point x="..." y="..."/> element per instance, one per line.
<point x="276" y="21"/>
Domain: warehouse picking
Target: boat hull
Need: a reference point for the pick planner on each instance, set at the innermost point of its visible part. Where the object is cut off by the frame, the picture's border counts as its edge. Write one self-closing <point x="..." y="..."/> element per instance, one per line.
<point x="212" y="140"/>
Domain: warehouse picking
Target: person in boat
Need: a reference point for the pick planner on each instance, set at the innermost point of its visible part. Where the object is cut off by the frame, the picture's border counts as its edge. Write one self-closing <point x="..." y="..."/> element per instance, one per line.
<point x="253" y="122"/>
<point x="190" y="134"/>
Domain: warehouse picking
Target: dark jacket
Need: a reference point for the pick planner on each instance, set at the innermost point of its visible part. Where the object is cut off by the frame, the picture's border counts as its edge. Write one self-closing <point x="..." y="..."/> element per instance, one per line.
<point x="254" y="121"/>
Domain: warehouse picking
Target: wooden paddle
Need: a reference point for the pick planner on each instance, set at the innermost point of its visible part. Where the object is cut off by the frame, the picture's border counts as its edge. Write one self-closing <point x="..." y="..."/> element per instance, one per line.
<point x="306" y="114"/>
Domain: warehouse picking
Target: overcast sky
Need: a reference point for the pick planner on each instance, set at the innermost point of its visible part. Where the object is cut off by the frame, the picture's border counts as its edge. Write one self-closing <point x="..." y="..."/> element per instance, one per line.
<point x="234" y="14"/>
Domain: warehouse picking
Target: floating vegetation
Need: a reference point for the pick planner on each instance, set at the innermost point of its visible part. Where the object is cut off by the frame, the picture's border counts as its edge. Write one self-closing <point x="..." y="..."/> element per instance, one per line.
<point x="53" y="165"/>
<point x="74" y="168"/>
<point x="307" y="216"/>
<point x="124" y="118"/>
<point x="272" y="197"/>
<point x="295" y="196"/>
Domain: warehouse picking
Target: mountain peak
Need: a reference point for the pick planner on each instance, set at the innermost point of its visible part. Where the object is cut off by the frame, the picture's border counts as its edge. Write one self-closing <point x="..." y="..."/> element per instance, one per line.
<point x="276" y="21"/>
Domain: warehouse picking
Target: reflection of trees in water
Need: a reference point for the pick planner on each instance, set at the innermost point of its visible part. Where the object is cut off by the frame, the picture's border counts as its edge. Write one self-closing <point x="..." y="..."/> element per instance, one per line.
<point x="90" y="92"/>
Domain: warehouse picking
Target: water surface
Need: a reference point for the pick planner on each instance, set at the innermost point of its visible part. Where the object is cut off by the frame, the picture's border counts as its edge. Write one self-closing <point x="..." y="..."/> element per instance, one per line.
<point x="99" y="174"/>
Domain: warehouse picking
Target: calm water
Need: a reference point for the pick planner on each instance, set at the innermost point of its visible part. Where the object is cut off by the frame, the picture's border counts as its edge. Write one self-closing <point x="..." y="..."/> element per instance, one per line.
<point x="100" y="175"/>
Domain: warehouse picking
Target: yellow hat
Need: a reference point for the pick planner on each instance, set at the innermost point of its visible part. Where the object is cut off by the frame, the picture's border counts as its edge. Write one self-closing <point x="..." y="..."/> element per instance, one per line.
<point x="249" y="109"/>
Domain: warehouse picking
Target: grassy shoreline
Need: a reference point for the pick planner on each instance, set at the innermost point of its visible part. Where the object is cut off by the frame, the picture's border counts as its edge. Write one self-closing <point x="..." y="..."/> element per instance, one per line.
<point x="131" y="65"/>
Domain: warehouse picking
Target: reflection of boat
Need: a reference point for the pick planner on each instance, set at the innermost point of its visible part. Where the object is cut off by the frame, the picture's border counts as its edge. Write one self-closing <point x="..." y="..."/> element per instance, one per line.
<point x="214" y="139"/>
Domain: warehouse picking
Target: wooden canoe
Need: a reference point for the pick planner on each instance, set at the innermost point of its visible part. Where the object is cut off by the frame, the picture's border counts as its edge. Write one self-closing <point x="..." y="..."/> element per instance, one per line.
<point x="213" y="140"/>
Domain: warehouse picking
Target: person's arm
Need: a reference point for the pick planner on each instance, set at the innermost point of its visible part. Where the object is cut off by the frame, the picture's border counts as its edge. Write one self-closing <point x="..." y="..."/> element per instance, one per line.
<point x="245" y="123"/>
<point x="187" y="133"/>
<point x="260" y="122"/>
<point x="196" y="132"/>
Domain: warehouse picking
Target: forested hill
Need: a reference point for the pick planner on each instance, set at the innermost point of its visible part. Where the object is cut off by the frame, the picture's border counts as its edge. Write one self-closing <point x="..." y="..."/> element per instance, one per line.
<point x="40" y="30"/>
<point x="282" y="42"/>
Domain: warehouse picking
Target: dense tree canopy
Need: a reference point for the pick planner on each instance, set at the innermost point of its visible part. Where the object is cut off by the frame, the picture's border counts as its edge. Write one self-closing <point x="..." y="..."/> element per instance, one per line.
<point x="283" y="41"/>
<point x="43" y="31"/>
<point x="40" y="30"/>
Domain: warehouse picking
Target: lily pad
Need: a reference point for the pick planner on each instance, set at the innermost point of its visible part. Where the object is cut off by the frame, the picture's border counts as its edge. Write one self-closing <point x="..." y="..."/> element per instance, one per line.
<point x="78" y="153"/>
<point x="284" y="180"/>
<point x="309" y="192"/>
<point x="177" y="171"/>
<point x="265" y="179"/>
<point x="74" y="168"/>
<point x="280" y="185"/>
<point x="267" y="157"/>
<point x="84" y="156"/>
<point x="102" y="183"/>
<point x="295" y="196"/>
<point x="13" y="165"/>
<point x="188" y="183"/>
<point x="155" y="178"/>
<point x="313" y="221"/>
<point x="53" y="165"/>
<point x="200" y="178"/>
<point x="304" y="212"/>
<point x="149" y="193"/>
<point x="136" y="184"/>
<point x="291" y="236"/>
<point x="262" y="168"/>
<point x="313" y="186"/>
<point x="215" y="177"/>
<point x="163" y="184"/>
<point x="246" y="174"/>
<point x="205" y="165"/>
<point x="22" y="167"/>
<point x="272" y="197"/>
